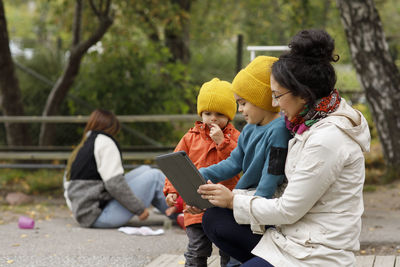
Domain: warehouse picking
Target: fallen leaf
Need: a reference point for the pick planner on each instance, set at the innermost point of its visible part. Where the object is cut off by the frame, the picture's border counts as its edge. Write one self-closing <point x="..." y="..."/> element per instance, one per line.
<point x="10" y="261"/>
<point x="15" y="245"/>
<point x="23" y="236"/>
<point x="181" y="262"/>
<point x="363" y="252"/>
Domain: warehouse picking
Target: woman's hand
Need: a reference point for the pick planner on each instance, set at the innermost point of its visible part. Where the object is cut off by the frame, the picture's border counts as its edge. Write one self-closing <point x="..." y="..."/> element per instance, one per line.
<point x="171" y="199"/>
<point x="216" y="133"/>
<point x="218" y="194"/>
<point x="144" y="215"/>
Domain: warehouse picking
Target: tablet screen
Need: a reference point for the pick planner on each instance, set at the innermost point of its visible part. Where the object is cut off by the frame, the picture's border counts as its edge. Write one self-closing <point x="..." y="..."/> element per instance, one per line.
<point x="184" y="176"/>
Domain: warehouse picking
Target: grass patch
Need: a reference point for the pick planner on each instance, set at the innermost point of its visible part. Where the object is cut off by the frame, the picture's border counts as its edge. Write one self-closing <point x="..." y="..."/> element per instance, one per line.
<point x="42" y="181"/>
<point x="370" y="188"/>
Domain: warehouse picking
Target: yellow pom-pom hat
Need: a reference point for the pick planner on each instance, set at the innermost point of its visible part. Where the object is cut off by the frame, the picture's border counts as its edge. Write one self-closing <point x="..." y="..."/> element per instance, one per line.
<point x="217" y="96"/>
<point x="253" y="83"/>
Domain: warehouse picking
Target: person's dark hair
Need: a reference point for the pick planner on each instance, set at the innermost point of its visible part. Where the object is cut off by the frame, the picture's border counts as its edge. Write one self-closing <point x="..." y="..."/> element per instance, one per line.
<point x="103" y="120"/>
<point x="306" y="70"/>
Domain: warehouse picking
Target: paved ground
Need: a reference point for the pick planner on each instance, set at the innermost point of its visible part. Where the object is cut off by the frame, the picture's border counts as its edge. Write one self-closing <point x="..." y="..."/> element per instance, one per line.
<point x="57" y="240"/>
<point x="381" y="221"/>
<point x="61" y="242"/>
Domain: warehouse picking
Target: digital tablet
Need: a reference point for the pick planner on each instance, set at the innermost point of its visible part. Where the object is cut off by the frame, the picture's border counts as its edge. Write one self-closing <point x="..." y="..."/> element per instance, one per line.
<point x="184" y="176"/>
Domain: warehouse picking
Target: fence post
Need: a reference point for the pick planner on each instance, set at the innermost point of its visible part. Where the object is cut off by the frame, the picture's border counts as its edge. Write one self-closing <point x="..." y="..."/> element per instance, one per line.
<point x="239" y="53"/>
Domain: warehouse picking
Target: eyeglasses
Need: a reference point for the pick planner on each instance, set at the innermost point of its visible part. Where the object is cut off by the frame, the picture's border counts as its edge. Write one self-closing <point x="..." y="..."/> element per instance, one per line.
<point x="276" y="97"/>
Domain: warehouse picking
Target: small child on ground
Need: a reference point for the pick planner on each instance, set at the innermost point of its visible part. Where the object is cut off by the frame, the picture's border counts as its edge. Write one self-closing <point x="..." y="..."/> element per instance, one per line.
<point x="208" y="142"/>
<point x="262" y="146"/>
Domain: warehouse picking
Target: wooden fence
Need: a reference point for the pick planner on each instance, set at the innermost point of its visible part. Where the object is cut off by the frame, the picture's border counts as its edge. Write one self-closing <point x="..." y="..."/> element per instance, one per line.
<point x="36" y="155"/>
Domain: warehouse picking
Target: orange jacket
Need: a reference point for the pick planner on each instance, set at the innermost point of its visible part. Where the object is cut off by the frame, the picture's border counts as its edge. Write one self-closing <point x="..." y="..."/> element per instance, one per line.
<point x="203" y="151"/>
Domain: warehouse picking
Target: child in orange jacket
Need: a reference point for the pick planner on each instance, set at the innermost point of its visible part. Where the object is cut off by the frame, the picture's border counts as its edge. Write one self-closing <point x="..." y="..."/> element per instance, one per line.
<point x="208" y="142"/>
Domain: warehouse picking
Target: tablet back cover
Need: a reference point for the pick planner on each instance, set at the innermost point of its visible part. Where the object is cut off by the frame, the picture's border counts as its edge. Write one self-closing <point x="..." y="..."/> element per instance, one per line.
<point x="184" y="176"/>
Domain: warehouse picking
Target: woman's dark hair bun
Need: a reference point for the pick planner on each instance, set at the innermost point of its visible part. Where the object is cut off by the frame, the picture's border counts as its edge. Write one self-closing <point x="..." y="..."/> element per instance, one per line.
<point x="316" y="45"/>
<point x="306" y="69"/>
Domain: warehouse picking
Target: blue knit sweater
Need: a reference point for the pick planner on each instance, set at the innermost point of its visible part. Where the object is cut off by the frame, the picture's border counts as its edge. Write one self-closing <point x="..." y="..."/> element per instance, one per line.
<point x="260" y="154"/>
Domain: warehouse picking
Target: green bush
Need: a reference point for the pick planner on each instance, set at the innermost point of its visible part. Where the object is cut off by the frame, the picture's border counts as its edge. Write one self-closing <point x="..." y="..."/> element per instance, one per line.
<point x="347" y="79"/>
<point x="130" y="80"/>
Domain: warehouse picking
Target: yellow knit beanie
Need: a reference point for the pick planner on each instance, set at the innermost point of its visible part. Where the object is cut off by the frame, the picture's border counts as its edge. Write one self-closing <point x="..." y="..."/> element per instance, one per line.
<point x="253" y="83"/>
<point x="217" y="96"/>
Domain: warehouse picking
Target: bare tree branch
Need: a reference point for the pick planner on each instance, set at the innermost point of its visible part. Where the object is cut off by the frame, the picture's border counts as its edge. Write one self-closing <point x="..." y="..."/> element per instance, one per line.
<point x="101" y="6"/>
<point x="77" y="23"/>
<point x="63" y="84"/>
<point x="108" y="7"/>
<point x="94" y="9"/>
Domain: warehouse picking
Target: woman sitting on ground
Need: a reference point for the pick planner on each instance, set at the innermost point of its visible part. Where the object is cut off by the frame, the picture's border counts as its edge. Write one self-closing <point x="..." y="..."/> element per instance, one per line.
<point x="97" y="191"/>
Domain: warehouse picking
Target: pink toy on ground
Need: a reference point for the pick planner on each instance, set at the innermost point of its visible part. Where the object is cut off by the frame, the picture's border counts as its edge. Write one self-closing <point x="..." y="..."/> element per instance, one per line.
<point x="26" y="222"/>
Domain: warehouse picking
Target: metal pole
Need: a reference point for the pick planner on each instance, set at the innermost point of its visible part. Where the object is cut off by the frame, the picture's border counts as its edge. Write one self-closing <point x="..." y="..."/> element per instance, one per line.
<point x="239" y="53"/>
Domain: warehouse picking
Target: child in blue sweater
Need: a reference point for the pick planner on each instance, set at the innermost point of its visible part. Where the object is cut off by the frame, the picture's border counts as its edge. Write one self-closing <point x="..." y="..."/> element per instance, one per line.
<point x="262" y="145"/>
<point x="260" y="153"/>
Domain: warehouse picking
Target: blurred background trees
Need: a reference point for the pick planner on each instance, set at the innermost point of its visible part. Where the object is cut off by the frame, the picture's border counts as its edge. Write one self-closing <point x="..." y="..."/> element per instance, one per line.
<point x="156" y="54"/>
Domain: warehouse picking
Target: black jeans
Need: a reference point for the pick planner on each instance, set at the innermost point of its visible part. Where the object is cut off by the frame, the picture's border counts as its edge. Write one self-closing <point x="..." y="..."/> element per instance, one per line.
<point x="234" y="239"/>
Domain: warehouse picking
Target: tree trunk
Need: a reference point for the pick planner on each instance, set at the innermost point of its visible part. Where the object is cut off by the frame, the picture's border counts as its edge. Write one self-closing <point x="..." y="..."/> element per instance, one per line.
<point x="378" y="74"/>
<point x="77" y="52"/>
<point x="17" y="133"/>
<point x="177" y="36"/>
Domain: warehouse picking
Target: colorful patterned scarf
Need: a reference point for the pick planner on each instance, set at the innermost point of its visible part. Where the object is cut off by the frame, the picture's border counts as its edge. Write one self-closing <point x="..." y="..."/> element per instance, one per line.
<point x="307" y="117"/>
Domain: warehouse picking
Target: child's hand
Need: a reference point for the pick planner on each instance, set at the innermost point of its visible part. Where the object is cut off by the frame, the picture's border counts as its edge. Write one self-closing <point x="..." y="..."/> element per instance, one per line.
<point x="216" y="133"/>
<point x="171" y="199"/>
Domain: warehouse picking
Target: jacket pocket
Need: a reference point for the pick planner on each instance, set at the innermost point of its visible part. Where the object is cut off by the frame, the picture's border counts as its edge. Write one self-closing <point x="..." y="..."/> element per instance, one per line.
<point x="290" y="247"/>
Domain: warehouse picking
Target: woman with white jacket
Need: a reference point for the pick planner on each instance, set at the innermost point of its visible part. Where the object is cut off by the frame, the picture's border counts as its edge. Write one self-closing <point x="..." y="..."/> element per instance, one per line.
<point x="318" y="217"/>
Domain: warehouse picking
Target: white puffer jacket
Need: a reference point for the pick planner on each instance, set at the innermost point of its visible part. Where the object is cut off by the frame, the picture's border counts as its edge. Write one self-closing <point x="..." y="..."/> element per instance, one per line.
<point x="318" y="217"/>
